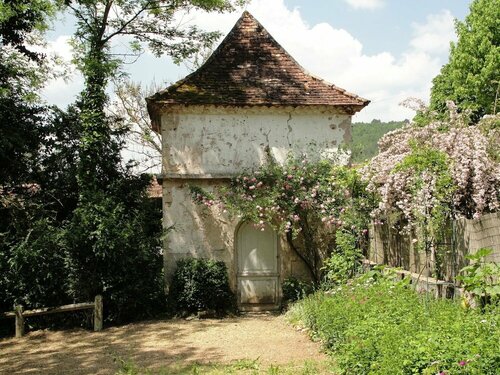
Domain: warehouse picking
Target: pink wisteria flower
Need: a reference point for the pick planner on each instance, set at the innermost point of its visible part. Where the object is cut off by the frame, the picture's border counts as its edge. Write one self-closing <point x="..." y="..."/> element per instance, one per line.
<point x="475" y="174"/>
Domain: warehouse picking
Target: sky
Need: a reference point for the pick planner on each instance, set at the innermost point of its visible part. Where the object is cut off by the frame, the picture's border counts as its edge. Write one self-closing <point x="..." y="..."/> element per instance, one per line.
<point x="383" y="50"/>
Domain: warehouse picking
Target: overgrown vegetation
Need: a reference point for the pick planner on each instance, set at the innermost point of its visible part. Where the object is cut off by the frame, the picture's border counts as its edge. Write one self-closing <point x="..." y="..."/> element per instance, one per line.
<point x="471" y="78"/>
<point x="75" y="221"/>
<point x="242" y="366"/>
<point x="201" y="285"/>
<point x="481" y="278"/>
<point x="429" y="174"/>
<point x="373" y="325"/>
<point x="321" y="208"/>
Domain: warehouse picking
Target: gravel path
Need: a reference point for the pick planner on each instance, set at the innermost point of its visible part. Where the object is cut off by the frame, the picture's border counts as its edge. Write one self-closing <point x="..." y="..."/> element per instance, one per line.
<point x="158" y="344"/>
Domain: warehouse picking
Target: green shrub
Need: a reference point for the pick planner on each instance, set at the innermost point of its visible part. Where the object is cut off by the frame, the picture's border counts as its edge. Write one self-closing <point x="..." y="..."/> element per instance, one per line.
<point x="200" y="285"/>
<point x="113" y="249"/>
<point x="481" y="278"/>
<point x="379" y="327"/>
<point x="344" y="262"/>
<point x="295" y="289"/>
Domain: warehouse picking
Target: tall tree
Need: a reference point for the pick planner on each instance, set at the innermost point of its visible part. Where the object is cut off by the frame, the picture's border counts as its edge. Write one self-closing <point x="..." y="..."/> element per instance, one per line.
<point x="471" y="77"/>
<point x="112" y="250"/>
<point x="22" y="73"/>
<point x="146" y="23"/>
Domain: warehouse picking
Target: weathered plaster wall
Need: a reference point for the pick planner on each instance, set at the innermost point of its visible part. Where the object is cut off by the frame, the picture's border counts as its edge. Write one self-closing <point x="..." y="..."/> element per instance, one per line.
<point x="202" y="232"/>
<point x="202" y="144"/>
<point x="224" y="141"/>
<point x="193" y="230"/>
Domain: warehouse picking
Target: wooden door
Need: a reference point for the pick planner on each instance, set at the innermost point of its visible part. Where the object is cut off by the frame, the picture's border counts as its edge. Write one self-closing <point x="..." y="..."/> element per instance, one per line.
<point x="258" y="273"/>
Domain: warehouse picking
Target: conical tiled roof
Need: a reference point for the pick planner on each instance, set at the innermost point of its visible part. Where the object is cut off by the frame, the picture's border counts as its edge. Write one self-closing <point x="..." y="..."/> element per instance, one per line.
<point x="249" y="68"/>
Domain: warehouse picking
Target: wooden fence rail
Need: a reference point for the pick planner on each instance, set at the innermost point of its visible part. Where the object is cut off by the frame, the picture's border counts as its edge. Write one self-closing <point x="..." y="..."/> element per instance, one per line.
<point x="20" y="314"/>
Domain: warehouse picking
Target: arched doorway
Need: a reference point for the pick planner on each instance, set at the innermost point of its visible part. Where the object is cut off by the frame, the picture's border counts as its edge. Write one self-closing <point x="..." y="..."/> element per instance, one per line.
<point x="258" y="270"/>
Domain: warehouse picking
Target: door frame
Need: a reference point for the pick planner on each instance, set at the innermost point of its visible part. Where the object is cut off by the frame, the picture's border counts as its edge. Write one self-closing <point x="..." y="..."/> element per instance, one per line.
<point x="257" y="307"/>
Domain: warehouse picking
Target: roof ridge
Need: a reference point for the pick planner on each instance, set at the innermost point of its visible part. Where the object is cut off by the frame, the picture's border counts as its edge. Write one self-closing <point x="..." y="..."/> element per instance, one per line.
<point x="250" y="67"/>
<point x="289" y="55"/>
<point x="212" y="55"/>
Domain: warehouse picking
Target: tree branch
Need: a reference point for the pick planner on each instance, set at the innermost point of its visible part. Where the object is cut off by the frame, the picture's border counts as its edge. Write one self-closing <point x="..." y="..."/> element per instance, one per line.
<point x="104" y="23"/>
<point x="289" y="239"/>
<point x="79" y="15"/>
<point x="124" y="25"/>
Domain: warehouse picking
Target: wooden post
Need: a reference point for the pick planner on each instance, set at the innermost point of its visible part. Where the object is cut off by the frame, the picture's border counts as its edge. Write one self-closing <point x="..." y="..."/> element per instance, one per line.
<point x="98" y="313"/>
<point x="18" y="309"/>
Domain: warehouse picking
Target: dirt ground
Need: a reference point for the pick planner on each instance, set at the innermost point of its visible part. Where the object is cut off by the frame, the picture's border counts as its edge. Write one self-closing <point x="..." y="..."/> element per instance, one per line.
<point x="157" y="345"/>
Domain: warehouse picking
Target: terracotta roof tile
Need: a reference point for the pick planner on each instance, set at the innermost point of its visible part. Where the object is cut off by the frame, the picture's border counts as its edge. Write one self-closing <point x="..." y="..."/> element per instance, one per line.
<point x="154" y="189"/>
<point x="250" y="68"/>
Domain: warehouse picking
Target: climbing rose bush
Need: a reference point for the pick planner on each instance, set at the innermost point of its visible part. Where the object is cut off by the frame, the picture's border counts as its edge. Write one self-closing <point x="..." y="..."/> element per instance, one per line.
<point x="445" y="169"/>
<point x="315" y="204"/>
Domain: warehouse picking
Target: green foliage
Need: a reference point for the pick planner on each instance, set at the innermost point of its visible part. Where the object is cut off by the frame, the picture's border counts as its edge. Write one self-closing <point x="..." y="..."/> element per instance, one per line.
<point x="430" y="169"/>
<point x="32" y="260"/>
<point x="344" y="262"/>
<point x="113" y="248"/>
<point x="481" y="278"/>
<point x="295" y="289"/>
<point x="147" y="23"/>
<point x="21" y="71"/>
<point x="21" y="133"/>
<point x="470" y="78"/>
<point x="307" y="201"/>
<point x="53" y="252"/>
<point x="379" y="327"/>
<point x="74" y="223"/>
<point x="57" y="170"/>
<point x="365" y="136"/>
<point x="200" y="285"/>
<point x="19" y="18"/>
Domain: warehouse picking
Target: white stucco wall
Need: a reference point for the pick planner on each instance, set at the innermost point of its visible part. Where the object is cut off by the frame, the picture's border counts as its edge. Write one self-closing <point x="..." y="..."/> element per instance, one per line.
<point x="203" y="144"/>
<point x="198" y="231"/>
<point x="225" y="141"/>
<point x="193" y="230"/>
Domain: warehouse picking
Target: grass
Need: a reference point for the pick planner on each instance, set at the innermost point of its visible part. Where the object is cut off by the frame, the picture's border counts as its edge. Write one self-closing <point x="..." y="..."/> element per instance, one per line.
<point x="243" y="366"/>
<point x="381" y="327"/>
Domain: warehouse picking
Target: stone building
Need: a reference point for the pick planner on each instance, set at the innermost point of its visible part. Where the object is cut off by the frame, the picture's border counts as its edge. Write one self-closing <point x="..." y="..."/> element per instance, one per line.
<point x="250" y="97"/>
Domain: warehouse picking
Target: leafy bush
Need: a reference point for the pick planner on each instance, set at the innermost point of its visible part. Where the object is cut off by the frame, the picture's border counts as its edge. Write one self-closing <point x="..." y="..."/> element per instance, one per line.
<point x="382" y="327"/>
<point x="344" y="262"/>
<point x="199" y="285"/>
<point x="481" y="278"/>
<point x="113" y="249"/>
<point x="32" y="269"/>
<point x="295" y="289"/>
